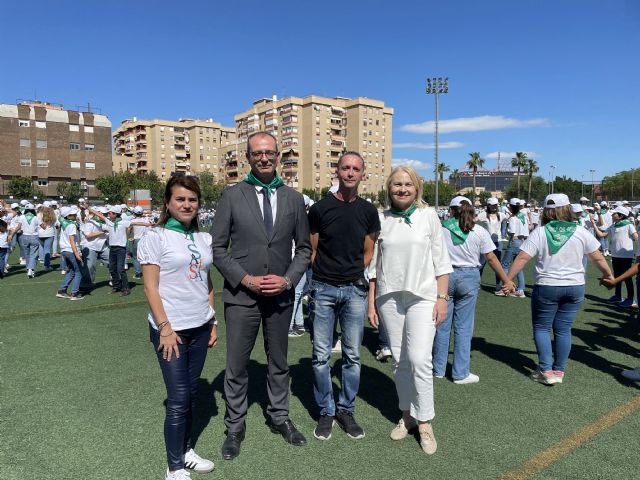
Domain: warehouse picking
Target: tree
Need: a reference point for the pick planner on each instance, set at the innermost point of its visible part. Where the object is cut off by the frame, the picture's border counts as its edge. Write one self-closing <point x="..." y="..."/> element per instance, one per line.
<point x="474" y="163"/>
<point x="210" y="189"/>
<point x="23" y="188"/>
<point x="116" y="187"/>
<point x="623" y="185"/>
<point x="484" y="196"/>
<point x="570" y="187"/>
<point x="382" y="198"/>
<point x="455" y="174"/>
<point x="112" y="188"/>
<point x="442" y="169"/>
<point x="519" y="162"/>
<point x="530" y="168"/>
<point x="445" y="193"/>
<point x="539" y="189"/>
<point x="70" y="191"/>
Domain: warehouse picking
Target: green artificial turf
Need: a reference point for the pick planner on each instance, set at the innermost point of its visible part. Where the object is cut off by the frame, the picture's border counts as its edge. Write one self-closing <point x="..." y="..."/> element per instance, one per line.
<point x="81" y="396"/>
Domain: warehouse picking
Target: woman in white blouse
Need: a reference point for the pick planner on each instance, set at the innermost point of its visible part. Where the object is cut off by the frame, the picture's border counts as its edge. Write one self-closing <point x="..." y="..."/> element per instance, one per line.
<point x="176" y="259"/>
<point x="408" y="291"/>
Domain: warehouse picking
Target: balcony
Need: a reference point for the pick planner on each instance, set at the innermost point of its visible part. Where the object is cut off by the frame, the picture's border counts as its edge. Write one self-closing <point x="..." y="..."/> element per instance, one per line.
<point x="338" y="122"/>
<point x="181" y="154"/>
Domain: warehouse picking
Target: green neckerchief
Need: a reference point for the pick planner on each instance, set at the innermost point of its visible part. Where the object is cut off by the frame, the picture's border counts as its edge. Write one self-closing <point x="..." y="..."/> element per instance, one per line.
<point x="520" y="216"/>
<point x="404" y="213"/>
<point x="29" y="216"/>
<point x="65" y="223"/>
<point x="274" y="184"/>
<point x="176" y="226"/>
<point x="558" y="232"/>
<point x="98" y="220"/>
<point x="584" y="215"/>
<point x="603" y="211"/>
<point x="115" y="223"/>
<point x="458" y="237"/>
<point x="622" y="223"/>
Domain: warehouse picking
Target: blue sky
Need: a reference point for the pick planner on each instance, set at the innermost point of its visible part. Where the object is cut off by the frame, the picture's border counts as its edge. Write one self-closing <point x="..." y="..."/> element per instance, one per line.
<point x="557" y="79"/>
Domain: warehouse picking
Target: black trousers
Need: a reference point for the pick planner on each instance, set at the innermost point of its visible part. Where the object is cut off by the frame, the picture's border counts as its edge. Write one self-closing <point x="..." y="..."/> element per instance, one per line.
<point x="621" y="265"/>
<point x="242" y="325"/>
<point x="117" y="257"/>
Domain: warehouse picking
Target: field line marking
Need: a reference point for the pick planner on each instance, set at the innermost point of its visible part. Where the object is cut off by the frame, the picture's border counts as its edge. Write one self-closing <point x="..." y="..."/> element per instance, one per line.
<point x="542" y="460"/>
<point x="79" y="310"/>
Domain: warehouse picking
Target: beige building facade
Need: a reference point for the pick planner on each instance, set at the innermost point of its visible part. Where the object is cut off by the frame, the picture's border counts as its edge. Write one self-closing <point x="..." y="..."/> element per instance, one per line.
<point x="166" y="146"/>
<point x="51" y="145"/>
<point x="312" y="133"/>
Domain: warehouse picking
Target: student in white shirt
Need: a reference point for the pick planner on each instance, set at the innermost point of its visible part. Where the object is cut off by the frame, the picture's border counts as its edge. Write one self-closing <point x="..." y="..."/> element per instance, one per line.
<point x="517" y="232"/>
<point x="466" y="242"/>
<point x="46" y="233"/>
<point x="139" y="224"/>
<point x="621" y="234"/>
<point x="176" y="259"/>
<point x="558" y="245"/>
<point x="71" y="254"/>
<point x="604" y="220"/>
<point x="28" y="224"/>
<point x="408" y="291"/>
<point x="492" y="219"/>
<point x="94" y="248"/>
<point x="4" y="246"/>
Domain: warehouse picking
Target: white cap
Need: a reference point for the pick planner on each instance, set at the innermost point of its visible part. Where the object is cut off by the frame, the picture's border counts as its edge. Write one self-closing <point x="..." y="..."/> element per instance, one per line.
<point x="102" y="210"/>
<point x="46" y="203"/>
<point x="514" y="201"/>
<point x="617" y="204"/>
<point x="576" y="208"/>
<point x="15" y="205"/>
<point x="66" y="211"/>
<point x="137" y="209"/>
<point x="81" y="200"/>
<point x="603" y="203"/>
<point x="622" y="210"/>
<point x="556" y="200"/>
<point x="457" y="201"/>
<point x="54" y="202"/>
<point x="117" y="209"/>
<point x="123" y="206"/>
<point x="584" y="199"/>
<point x="625" y="202"/>
<point x="29" y="206"/>
<point x="588" y="209"/>
<point x="492" y="201"/>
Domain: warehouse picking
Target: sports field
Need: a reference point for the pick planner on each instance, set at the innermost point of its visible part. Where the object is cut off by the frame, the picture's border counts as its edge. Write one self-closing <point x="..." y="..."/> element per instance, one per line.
<point x="81" y="397"/>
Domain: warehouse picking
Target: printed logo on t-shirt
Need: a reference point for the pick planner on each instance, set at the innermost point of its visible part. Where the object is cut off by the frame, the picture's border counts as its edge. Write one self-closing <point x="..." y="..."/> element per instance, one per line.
<point x="196" y="265"/>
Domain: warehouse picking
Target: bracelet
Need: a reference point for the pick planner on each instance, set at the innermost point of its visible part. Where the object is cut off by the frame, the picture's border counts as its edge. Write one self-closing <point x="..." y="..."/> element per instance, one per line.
<point x="160" y="326"/>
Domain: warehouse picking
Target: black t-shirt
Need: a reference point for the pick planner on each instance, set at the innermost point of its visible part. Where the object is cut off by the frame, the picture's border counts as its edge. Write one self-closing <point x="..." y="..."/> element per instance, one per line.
<point x="342" y="228"/>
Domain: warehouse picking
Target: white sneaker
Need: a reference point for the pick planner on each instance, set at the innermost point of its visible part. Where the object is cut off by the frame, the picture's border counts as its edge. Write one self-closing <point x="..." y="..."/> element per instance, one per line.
<point x="22" y="261"/>
<point x="195" y="462"/>
<point x="181" y="474"/>
<point x="337" y="347"/>
<point x="31" y="273"/>
<point x="471" y="378"/>
<point x="63" y="272"/>
<point x="383" y="354"/>
<point x="632" y="374"/>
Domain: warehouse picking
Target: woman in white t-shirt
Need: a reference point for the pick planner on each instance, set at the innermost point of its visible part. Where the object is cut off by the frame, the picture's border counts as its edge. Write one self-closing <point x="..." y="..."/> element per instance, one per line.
<point x="408" y="291"/>
<point x="558" y="245"/>
<point x="28" y="223"/>
<point x="492" y="219"/>
<point x="621" y="234"/>
<point x="46" y="232"/>
<point x="70" y="253"/>
<point x="517" y="232"/>
<point x="466" y="243"/>
<point x="176" y="259"/>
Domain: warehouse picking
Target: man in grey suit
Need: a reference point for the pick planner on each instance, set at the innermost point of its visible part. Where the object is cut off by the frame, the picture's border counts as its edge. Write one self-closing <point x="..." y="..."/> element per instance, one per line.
<point x="256" y="223"/>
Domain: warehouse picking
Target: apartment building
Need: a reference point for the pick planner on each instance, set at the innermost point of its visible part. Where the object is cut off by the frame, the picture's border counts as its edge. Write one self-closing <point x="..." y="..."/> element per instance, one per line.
<point x="166" y="146"/>
<point x="50" y="145"/>
<point x="312" y="133"/>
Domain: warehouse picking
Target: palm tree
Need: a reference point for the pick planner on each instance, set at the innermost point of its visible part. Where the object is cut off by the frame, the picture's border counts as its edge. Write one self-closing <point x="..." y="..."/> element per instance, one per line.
<point x="455" y="174"/>
<point x="474" y="163"/>
<point x="530" y="168"/>
<point x="519" y="162"/>
<point x="442" y="168"/>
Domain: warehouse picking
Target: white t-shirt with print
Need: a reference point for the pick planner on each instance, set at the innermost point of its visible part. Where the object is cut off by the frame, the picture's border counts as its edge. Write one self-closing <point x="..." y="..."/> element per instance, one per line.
<point x="467" y="254"/>
<point x="621" y="240"/>
<point x="184" y="272"/>
<point x="564" y="267"/>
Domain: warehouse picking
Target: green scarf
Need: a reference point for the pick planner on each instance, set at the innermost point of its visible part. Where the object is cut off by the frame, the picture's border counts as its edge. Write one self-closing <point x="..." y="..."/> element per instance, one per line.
<point x="458" y="237"/>
<point x="603" y="211"/>
<point x="274" y="184"/>
<point x="584" y="215"/>
<point x="176" y="226"/>
<point x="65" y="223"/>
<point x="404" y="213"/>
<point x="520" y="216"/>
<point x="558" y="232"/>
<point x="98" y="220"/>
<point x="29" y="216"/>
<point x="622" y="223"/>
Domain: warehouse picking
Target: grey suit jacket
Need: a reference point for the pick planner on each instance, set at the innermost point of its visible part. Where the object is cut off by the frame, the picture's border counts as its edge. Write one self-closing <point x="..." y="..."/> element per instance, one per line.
<point x="240" y="245"/>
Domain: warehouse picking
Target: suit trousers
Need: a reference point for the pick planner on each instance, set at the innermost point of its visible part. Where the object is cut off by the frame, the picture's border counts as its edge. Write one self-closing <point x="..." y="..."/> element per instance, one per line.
<point x="242" y="325"/>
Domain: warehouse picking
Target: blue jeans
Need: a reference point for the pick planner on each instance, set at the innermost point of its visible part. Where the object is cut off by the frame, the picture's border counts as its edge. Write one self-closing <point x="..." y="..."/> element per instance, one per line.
<point x="73" y="273"/>
<point x="134" y="257"/>
<point x="31" y="245"/>
<point x="464" y="284"/>
<point x="513" y="248"/>
<point x="604" y="243"/>
<point x="4" y="253"/>
<point x="348" y="305"/>
<point x="91" y="258"/>
<point x="554" y="307"/>
<point x="297" y="319"/>
<point x="45" y="247"/>
<point x="181" y="376"/>
<point x="117" y="257"/>
<point x="498" y="253"/>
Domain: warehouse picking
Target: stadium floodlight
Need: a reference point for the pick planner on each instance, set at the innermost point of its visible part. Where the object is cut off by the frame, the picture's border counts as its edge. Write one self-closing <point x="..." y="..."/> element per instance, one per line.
<point x="437" y="86"/>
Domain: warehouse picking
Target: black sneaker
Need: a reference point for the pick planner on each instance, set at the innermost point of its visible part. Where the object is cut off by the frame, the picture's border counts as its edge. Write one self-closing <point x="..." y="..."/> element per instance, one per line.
<point x="62" y="294"/>
<point x="349" y="425"/>
<point x="114" y="291"/>
<point x="76" y="296"/>
<point x="323" y="429"/>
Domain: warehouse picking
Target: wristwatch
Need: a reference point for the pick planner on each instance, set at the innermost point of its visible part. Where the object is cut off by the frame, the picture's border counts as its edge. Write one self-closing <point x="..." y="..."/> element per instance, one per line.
<point x="443" y="296"/>
<point x="289" y="285"/>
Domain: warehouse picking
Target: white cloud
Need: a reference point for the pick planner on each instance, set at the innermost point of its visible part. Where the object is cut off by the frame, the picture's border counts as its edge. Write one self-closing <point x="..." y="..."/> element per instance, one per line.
<point x="508" y="155"/>
<point x="429" y="146"/>
<point x="407" y="162"/>
<point x="475" y="124"/>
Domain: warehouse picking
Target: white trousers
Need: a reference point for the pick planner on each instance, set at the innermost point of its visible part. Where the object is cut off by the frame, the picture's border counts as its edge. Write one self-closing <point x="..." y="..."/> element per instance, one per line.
<point x="408" y="320"/>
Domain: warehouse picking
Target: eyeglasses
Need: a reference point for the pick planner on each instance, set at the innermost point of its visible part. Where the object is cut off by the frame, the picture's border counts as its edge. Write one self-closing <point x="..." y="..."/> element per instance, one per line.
<point x="270" y="154"/>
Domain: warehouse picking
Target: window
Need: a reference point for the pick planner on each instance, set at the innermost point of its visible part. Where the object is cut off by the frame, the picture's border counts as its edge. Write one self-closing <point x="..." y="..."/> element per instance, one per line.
<point x="25" y="142"/>
<point x="43" y="183"/>
<point x="90" y="166"/>
<point x="74" y="128"/>
<point x="41" y="144"/>
<point x="41" y="124"/>
<point x="163" y="166"/>
<point x="23" y="123"/>
<point x="74" y="146"/>
<point x="161" y="147"/>
<point x="74" y="164"/>
<point x="162" y="155"/>
<point x="89" y="147"/>
<point x="88" y="129"/>
<point x="25" y="162"/>
<point x="42" y="163"/>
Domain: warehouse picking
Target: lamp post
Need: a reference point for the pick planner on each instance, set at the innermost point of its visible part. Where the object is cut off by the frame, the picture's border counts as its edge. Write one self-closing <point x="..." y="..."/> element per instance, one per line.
<point x="581" y="186"/>
<point x="633" y="172"/>
<point x="592" y="172"/>
<point x="553" y="176"/>
<point x="436" y="86"/>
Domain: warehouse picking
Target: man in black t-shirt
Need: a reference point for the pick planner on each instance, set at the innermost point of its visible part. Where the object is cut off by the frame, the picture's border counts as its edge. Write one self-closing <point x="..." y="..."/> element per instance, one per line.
<point x="344" y="228"/>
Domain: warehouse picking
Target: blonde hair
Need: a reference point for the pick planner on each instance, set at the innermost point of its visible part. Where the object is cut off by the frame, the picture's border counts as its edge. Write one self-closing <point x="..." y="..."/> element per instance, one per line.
<point x="48" y="216"/>
<point x="415" y="179"/>
<point x="560" y="213"/>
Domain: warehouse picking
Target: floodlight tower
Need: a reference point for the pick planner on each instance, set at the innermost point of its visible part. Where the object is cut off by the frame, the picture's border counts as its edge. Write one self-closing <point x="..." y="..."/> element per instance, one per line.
<point x="436" y="86"/>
